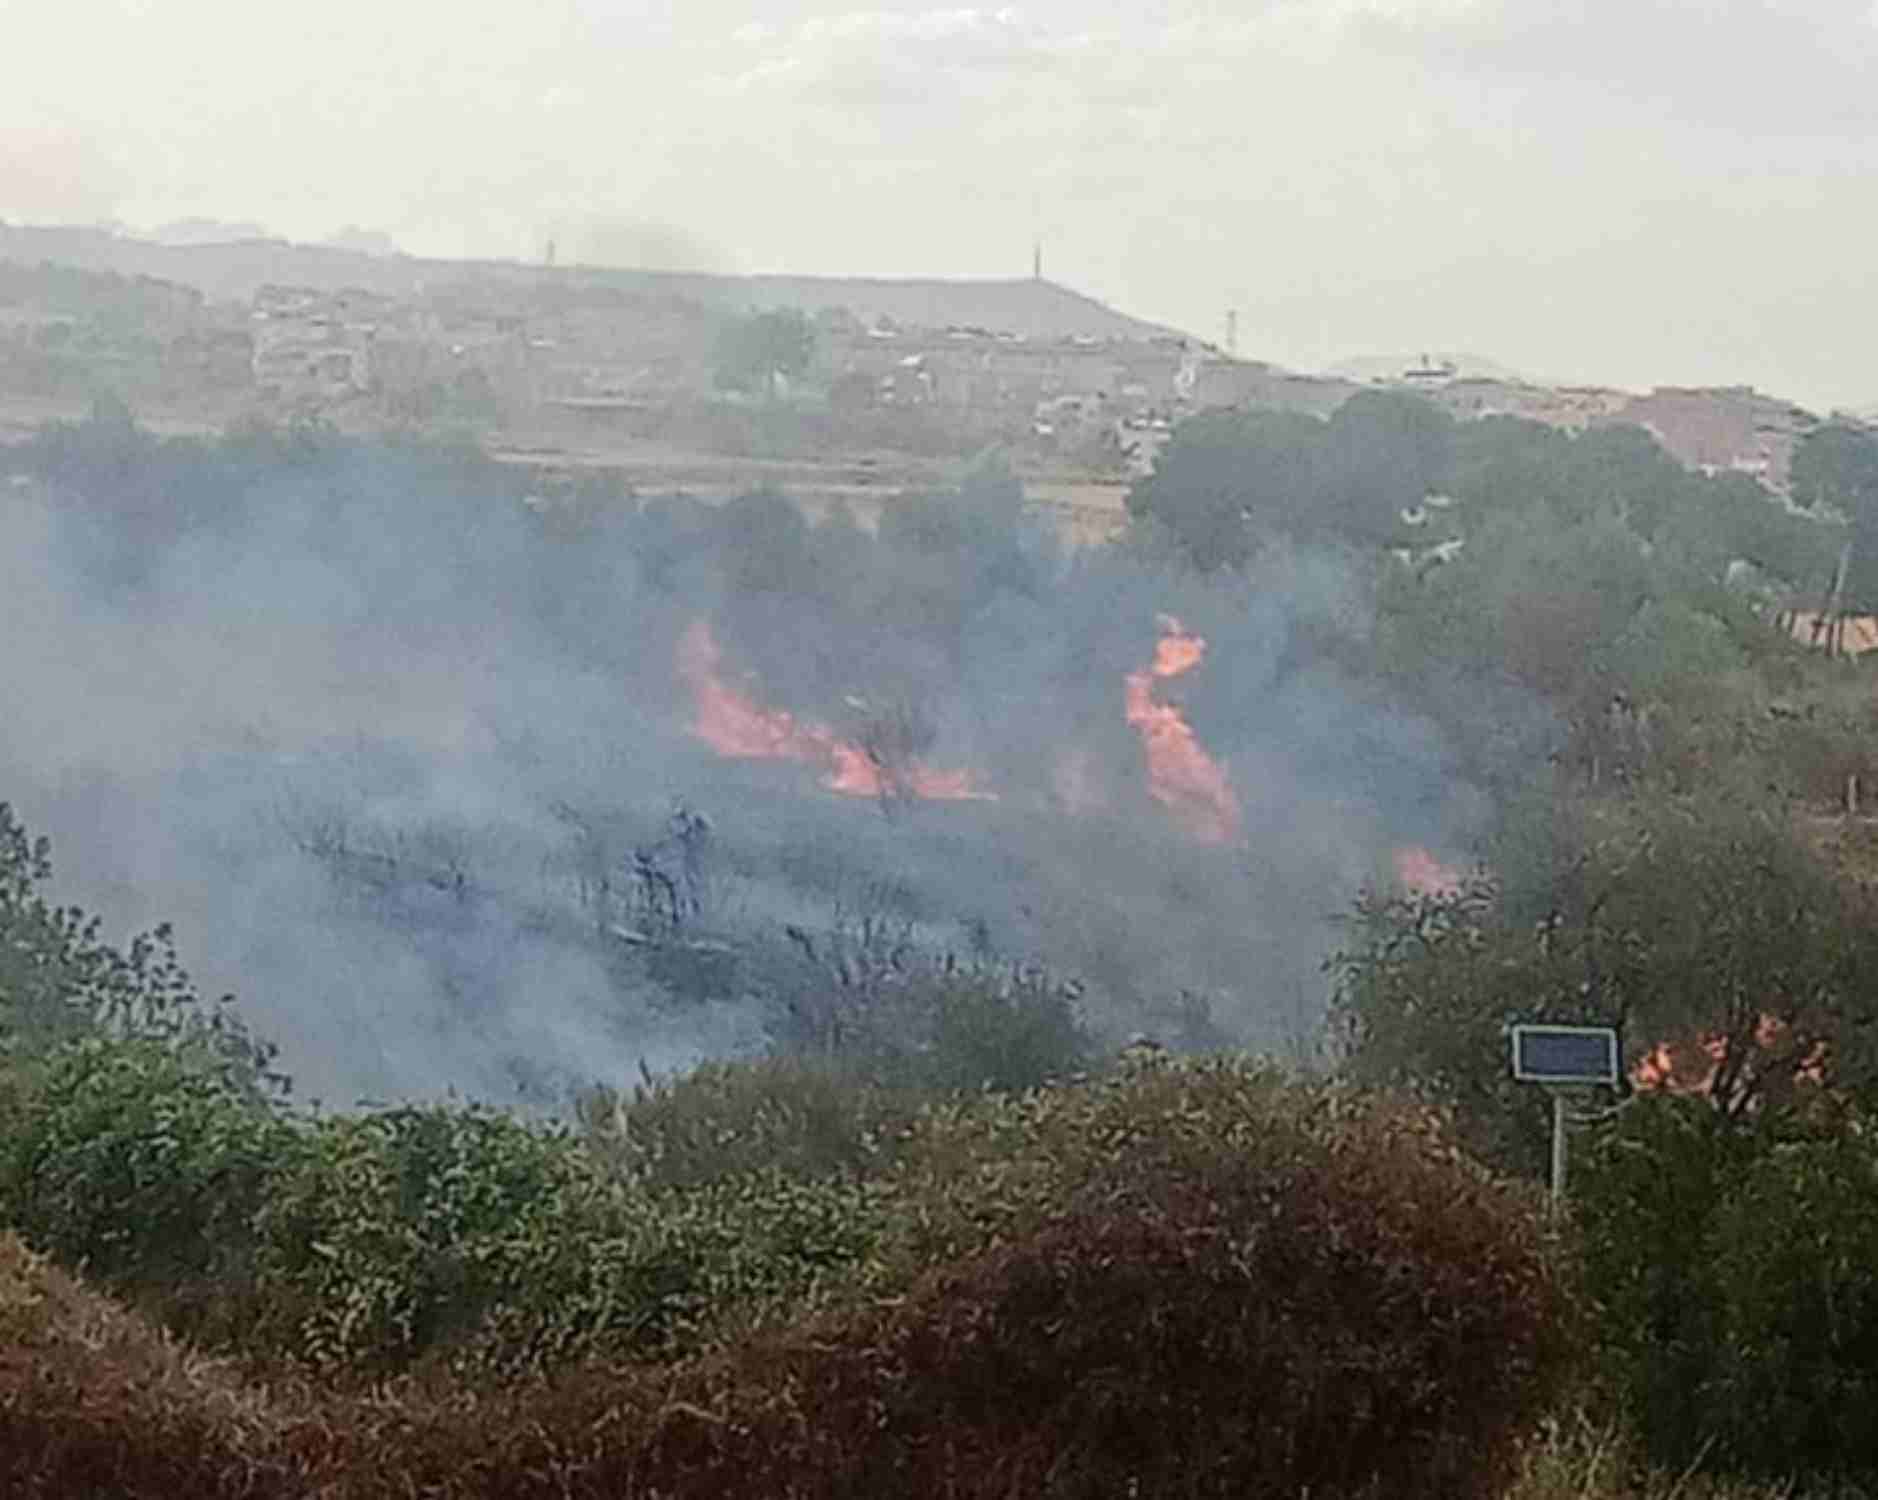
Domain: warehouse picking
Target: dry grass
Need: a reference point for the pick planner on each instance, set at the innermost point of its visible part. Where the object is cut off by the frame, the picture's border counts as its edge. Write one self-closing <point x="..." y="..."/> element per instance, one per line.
<point x="93" y="1401"/>
<point x="1575" y="1459"/>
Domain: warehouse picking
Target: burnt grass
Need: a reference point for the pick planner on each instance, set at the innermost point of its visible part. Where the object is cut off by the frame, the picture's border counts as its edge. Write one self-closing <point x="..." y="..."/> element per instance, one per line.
<point x="1194" y="1280"/>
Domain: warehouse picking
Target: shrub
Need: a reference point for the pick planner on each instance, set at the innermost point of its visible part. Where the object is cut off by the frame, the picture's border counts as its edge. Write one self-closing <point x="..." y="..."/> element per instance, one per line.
<point x="1736" y="1301"/>
<point x="465" y="1236"/>
<point x="1183" y="1281"/>
<point x="1178" y="1282"/>
<point x="381" y="1242"/>
<point x="138" y="1162"/>
<point x="1644" y="1195"/>
<point x="981" y="1030"/>
<point x="804" y="1117"/>
<point x="895" y="1035"/>
<point x="60" y="980"/>
<point x="1796" y="1377"/>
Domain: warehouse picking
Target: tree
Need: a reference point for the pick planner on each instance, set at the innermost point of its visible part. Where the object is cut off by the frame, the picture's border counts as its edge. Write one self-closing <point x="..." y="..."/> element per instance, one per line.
<point x="1704" y="926"/>
<point x="59" y="979"/>
<point x="1230" y="481"/>
<point x="762" y="350"/>
<point x="1836" y="468"/>
<point x="1383" y="453"/>
<point x="1230" y="478"/>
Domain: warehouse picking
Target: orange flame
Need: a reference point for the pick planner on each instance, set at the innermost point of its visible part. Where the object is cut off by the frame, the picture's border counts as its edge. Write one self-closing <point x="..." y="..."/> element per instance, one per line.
<point x="734" y="726"/>
<point x="1675" y="1071"/>
<point x="1421" y="874"/>
<point x="1182" y="777"/>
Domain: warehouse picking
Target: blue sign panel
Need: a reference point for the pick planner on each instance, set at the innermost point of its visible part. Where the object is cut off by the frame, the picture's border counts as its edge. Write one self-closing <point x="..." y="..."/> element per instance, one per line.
<point x="1565" y="1054"/>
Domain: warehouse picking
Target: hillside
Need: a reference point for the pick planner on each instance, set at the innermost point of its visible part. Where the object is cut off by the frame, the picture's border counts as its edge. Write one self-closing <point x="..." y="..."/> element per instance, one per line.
<point x="233" y="271"/>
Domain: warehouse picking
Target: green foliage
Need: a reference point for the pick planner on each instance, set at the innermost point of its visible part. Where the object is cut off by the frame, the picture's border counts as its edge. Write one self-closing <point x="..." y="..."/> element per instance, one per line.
<point x="466" y="1235"/>
<point x="1520" y="571"/>
<point x="1671" y="919"/>
<point x="1190" y="1281"/>
<point x="1835" y="468"/>
<point x="962" y="1030"/>
<point x="879" y="1038"/>
<point x="391" y="1231"/>
<point x="59" y="979"/>
<point x="1230" y="481"/>
<point x="1226" y="479"/>
<point x="1737" y="1300"/>
<point x="1797" y="1292"/>
<point x="1201" y="1269"/>
<point x="1644" y="1195"/>
<point x="806" y="1117"/>
<point x="137" y="1161"/>
<point x="755" y="352"/>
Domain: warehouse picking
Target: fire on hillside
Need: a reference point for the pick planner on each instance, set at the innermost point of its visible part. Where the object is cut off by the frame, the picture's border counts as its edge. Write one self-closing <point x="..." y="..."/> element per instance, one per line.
<point x="1181" y="776"/>
<point x="736" y="727"/>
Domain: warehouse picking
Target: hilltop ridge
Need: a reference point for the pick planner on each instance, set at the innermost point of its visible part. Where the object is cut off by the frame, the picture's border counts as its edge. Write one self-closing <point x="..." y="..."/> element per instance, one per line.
<point x="235" y="270"/>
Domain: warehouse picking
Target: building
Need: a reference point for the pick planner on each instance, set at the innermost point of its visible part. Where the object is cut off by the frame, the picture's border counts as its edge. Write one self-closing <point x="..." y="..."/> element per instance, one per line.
<point x="313" y="346"/>
<point x="1724" y="429"/>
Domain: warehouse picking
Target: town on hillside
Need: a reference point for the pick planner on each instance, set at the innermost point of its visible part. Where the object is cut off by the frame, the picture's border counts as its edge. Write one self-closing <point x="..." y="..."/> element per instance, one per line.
<point x="642" y="378"/>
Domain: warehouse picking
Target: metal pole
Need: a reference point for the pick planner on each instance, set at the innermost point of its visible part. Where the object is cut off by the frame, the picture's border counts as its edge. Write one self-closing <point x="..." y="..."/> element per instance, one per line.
<point x="1558" y="1151"/>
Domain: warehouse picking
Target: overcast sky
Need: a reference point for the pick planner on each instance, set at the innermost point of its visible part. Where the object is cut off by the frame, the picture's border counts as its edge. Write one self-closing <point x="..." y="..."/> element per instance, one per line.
<point x="1630" y="191"/>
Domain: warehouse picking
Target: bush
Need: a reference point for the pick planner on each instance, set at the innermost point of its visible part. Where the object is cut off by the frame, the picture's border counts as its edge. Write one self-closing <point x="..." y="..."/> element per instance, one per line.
<point x="1736" y="1299"/>
<point x="802" y="1117"/>
<point x="381" y="1242"/>
<point x="1644" y="1197"/>
<point x="1796" y="1377"/>
<point x="59" y="979"/>
<point x="468" y="1237"/>
<point x="137" y="1162"/>
<point x="1180" y="1281"/>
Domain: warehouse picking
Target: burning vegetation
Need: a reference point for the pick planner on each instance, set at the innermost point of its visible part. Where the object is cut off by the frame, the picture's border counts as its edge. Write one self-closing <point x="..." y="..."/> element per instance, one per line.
<point x="737" y="727"/>
<point x="1182" y="777"/>
<point x="1730" y="1069"/>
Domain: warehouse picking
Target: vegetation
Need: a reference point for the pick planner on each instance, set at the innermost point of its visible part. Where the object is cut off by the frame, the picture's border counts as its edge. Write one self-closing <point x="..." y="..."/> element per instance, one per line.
<point x="761" y="351"/>
<point x="937" y="1240"/>
<point x="1115" y="1284"/>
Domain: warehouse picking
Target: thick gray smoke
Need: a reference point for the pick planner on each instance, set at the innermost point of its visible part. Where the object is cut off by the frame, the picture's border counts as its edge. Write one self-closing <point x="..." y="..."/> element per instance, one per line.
<point x="414" y="769"/>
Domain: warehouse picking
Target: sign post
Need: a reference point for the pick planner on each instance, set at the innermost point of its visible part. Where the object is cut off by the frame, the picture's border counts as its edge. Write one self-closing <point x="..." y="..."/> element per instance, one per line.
<point x="1562" y="1058"/>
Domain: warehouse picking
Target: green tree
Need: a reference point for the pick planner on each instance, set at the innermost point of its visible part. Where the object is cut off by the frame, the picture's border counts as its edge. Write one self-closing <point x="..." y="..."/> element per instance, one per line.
<point x="60" y="980"/>
<point x="760" y="351"/>
<point x="1836" y="468"/>
<point x="1228" y="479"/>
<point x="1674" y="919"/>
<point x="1384" y="452"/>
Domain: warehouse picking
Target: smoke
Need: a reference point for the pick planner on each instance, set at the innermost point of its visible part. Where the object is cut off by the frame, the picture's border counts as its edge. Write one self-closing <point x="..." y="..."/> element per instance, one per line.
<point x="638" y="245"/>
<point x="414" y="767"/>
<point x="53" y="176"/>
